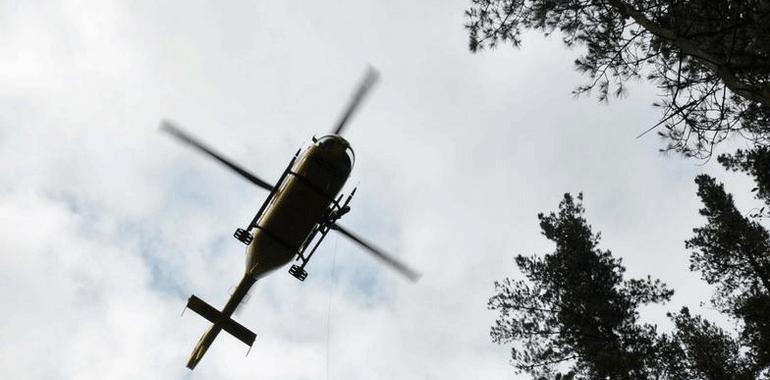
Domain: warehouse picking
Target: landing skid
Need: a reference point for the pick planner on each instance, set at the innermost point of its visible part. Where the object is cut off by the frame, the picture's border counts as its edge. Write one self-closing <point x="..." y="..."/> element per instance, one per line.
<point x="243" y="236"/>
<point x="298" y="272"/>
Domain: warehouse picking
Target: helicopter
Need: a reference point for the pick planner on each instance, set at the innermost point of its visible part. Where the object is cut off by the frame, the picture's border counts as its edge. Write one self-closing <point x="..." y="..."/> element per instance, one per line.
<point x="301" y="209"/>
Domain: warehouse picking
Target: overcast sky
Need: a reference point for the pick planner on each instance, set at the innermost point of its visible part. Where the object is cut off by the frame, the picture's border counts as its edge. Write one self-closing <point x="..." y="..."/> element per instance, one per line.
<point x="108" y="225"/>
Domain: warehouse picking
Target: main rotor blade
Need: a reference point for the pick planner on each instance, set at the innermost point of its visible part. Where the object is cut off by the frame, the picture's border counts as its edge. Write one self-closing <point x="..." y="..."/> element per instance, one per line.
<point x="173" y="130"/>
<point x="363" y="89"/>
<point x="389" y="260"/>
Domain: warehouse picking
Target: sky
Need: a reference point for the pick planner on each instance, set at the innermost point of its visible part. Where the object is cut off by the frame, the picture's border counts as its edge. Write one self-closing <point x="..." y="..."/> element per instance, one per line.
<point x="110" y="225"/>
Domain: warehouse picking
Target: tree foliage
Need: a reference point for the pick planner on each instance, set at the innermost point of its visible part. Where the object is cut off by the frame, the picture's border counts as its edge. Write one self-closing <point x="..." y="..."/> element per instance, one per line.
<point x="732" y="252"/>
<point x="574" y="314"/>
<point x="700" y="350"/>
<point x="710" y="59"/>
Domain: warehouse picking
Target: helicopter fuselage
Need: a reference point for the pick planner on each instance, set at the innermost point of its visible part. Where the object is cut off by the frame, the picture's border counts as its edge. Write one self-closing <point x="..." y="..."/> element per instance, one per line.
<point x="298" y="204"/>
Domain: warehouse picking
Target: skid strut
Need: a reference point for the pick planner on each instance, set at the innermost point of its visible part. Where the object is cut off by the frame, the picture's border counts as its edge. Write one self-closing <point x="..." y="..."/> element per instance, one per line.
<point x="243" y="235"/>
<point x="332" y="215"/>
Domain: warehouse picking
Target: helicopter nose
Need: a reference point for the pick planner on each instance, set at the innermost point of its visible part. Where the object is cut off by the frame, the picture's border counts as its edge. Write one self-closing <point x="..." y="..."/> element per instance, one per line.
<point x="336" y="152"/>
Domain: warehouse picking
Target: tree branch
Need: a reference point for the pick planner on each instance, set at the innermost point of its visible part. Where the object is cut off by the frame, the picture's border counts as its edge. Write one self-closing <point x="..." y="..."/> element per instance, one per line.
<point x="715" y="64"/>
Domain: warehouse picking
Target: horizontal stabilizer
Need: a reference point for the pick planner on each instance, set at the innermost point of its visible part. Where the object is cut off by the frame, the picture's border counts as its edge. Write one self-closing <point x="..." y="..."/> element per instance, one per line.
<point x="226" y="323"/>
<point x="203" y="309"/>
<point x="237" y="330"/>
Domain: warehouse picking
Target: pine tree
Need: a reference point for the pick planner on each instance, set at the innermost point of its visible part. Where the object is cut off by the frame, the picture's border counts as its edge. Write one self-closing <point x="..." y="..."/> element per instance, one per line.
<point x="732" y="252"/>
<point x="575" y="316"/>
<point x="710" y="59"/>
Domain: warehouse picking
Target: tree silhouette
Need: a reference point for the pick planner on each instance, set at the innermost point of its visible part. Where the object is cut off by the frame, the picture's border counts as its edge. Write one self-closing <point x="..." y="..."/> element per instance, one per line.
<point x="575" y="315"/>
<point x="732" y="252"/>
<point x="699" y="350"/>
<point x="710" y="59"/>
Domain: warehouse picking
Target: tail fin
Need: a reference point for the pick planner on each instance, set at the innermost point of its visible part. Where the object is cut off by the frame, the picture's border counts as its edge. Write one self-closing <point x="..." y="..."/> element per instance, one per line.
<point x="203" y="346"/>
<point x="221" y="322"/>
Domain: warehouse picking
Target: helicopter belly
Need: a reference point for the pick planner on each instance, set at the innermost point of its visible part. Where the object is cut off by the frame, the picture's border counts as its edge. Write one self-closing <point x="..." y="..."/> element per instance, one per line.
<point x="265" y="255"/>
<point x="301" y="202"/>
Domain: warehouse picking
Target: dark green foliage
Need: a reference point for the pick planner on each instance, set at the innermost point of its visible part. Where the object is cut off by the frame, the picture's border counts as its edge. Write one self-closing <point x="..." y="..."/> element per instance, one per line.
<point x="710" y="59"/>
<point x="756" y="163"/>
<point x="575" y="313"/>
<point x="754" y="310"/>
<point x="732" y="251"/>
<point x="574" y="316"/>
<point x="707" y="351"/>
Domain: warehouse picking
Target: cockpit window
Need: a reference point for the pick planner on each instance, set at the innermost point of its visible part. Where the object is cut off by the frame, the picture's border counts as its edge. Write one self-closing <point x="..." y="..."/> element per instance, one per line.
<point x="351" y="155"/>
<point x="336" y="143"/>
<point x="326" y="142"/>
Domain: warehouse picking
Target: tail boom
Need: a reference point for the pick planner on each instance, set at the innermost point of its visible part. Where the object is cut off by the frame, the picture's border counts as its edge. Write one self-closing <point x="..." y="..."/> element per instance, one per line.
<point x="203" y="345"/>
<point x="221" y="321"/>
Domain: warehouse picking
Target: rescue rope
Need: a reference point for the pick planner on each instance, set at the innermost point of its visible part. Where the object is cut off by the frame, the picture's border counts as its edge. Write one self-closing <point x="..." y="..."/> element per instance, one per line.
<point x="329" y="308"/>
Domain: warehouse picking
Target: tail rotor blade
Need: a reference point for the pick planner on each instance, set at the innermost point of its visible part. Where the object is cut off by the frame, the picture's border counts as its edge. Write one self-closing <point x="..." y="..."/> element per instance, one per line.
<point x="186" y="138"/>
<point x="363" y="88"/>
<point x="411" y="274"/>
